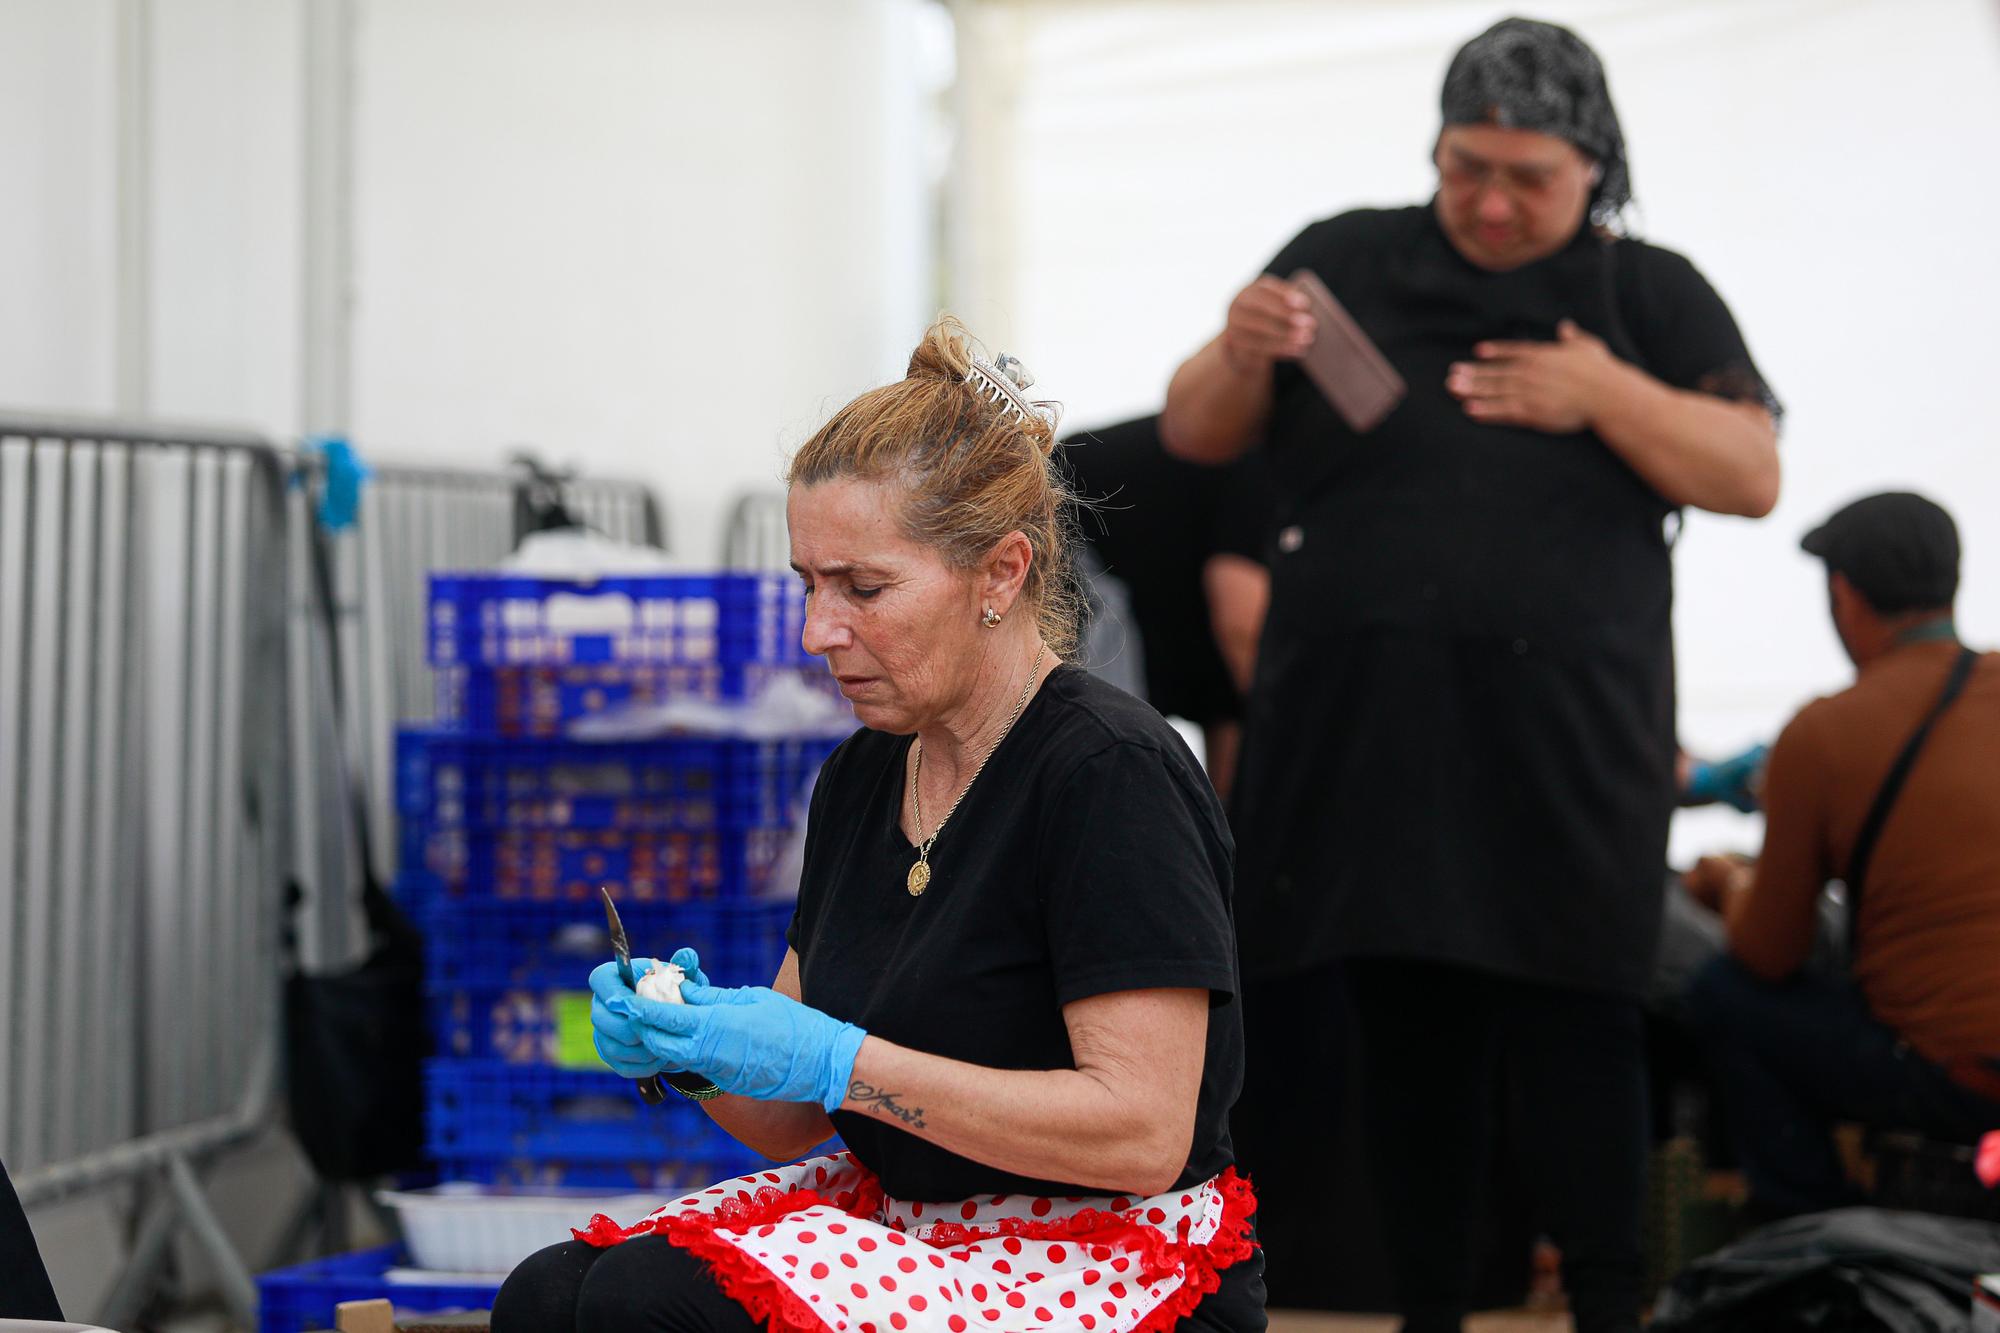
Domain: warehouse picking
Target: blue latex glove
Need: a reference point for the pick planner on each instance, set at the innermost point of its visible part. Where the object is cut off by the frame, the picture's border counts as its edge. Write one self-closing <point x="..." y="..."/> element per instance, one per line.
<point x="751" y="1041"/>
<point x="1728" y="780"/>
<point x="614" y="1031"/>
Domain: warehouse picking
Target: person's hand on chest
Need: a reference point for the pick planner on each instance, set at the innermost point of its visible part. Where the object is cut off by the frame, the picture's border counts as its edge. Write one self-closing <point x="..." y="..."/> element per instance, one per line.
<point x="1558" y="387"/>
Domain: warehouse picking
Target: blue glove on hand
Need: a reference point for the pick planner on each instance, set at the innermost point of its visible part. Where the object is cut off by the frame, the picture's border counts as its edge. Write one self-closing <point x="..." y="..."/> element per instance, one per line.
<point x="749" y="1040"/>
<point x="614" y="1031"/>
<point x="1731" y="780"/>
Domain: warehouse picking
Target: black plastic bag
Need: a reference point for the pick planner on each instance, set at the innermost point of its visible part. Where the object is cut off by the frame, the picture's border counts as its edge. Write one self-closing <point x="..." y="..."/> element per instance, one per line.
<point x="1857" y="1269"/>
<point x="356" y="1042"/>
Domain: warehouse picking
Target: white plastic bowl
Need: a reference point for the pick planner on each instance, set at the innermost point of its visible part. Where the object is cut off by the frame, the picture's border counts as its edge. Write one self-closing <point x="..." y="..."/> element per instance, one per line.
<point x="471" y="1228"/>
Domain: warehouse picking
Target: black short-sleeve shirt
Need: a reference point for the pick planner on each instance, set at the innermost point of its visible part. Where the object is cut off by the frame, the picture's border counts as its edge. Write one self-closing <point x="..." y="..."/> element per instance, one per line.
<point x="1154" y="520"/>
<point x="1243" y="520"/>
<point x="1089" y="857"/>
<point x="1460" y="742"/>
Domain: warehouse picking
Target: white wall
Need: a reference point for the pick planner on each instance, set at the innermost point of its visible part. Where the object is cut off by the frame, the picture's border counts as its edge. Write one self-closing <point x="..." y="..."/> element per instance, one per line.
<point x="1826" y="164"/>
<point x="56" y="238"/>
<point x="217" y="339"/>
<point x="663" y="240"/>
<point x="653" y="240"/>
<point x="225" y="211"/>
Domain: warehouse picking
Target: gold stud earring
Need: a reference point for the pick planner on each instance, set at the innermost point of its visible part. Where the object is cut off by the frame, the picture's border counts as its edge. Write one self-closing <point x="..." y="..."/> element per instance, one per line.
<point x="990" y="619"/>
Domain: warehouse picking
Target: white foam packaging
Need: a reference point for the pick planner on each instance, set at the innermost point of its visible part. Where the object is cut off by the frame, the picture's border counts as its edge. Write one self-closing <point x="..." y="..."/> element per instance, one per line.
<point x="461" y="1227"/>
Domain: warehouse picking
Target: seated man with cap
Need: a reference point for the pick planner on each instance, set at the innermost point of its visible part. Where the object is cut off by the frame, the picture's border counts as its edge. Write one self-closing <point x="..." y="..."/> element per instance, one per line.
<point x="1890" y="787"/>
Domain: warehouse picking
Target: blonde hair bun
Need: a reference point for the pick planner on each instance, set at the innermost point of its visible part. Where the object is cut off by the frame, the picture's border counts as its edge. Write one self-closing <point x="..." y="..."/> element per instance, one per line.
<point x="976" y="458"/>
<point x="950" y="352"/>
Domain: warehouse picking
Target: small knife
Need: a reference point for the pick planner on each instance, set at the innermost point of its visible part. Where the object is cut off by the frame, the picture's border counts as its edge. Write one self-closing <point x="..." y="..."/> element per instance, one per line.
<point x="691" y="1086"/>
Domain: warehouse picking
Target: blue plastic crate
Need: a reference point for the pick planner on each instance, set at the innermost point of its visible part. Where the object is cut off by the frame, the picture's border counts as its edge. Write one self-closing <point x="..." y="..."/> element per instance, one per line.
<point x="518" y="1026"/>
<point x="451" y="779"/>
<point x="666" y="620"/>
<point x="472" y="868"/>
<point x="492" y="1110"/>
<point x="302" y="1297"/>
<point x="500" y="980"/>
<point x="726" y="1161"/>
<point x="553" y="946"/>
<point x="543" y="700"/>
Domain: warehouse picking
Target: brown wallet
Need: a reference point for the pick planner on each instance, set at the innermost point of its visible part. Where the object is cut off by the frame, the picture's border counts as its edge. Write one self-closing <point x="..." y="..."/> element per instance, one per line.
<point x="1348" y="368"/>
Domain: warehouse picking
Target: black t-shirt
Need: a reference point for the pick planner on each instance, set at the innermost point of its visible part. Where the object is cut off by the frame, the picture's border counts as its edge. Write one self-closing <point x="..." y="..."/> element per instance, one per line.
<point x="1154" y="520"/>
<point x="1089" y="857"/>
<point x="1244" y="522"/>
<point x="1460" y="742"/>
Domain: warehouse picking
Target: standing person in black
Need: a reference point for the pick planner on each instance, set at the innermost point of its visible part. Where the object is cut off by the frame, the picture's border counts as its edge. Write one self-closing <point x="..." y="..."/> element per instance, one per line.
<point x="1012" y="974"/>
<point x="1459" y="761"/>
<point x="1156" y="523"/>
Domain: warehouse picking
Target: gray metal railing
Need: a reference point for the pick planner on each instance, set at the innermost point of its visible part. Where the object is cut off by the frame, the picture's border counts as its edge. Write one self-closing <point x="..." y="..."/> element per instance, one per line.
<point x="410" y="521"/>
<point x="621" y="509"/>
<point x="169" y="759"/>
<point x="142" y="807"/>
<point x="757" y="537"/>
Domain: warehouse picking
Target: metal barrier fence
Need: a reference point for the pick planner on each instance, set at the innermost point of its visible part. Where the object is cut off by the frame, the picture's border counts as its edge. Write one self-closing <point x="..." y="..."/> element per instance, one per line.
<point x="168" y="760"/>
<point x="620" y="509"/>
<point x="142" y="807"/>
<point x="757" y="536"/>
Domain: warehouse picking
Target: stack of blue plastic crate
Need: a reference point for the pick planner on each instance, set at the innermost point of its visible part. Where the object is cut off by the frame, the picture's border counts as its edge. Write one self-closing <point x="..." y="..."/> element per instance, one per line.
<point x="509" y="827"/>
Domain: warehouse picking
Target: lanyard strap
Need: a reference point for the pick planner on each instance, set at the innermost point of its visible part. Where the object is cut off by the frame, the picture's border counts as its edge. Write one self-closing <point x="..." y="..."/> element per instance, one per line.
<point x="1892" y="787"/>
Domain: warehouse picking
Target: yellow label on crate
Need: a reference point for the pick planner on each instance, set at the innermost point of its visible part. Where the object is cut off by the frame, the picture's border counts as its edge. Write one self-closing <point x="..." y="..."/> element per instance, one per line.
<point x="574" y="1048"/>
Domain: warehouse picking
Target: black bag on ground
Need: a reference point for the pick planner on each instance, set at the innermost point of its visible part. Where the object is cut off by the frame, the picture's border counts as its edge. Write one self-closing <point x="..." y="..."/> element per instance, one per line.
<point x="1858" y="1269"/>
<point x="356" y="1042"/>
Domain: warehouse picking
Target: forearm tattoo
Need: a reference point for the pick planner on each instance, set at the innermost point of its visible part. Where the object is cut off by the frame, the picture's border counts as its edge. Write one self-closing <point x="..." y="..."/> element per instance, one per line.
<point x="870" y="1097"/>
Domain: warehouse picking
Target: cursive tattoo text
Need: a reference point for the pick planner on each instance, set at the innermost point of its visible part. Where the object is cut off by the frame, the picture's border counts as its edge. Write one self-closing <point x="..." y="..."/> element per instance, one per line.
<point x="872" y="1098"/>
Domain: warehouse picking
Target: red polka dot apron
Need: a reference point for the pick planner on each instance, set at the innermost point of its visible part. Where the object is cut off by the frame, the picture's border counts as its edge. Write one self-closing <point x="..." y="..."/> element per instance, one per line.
<point x="818" y="1246"/>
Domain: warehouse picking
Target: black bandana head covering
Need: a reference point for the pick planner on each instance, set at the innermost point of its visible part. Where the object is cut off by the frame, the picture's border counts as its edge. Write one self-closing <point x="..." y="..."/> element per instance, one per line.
<point x="1523" y="74"/>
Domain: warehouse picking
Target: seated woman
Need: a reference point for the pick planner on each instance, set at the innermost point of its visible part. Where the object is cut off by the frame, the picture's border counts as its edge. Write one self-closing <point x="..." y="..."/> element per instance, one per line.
<point x="1011" y="975"/>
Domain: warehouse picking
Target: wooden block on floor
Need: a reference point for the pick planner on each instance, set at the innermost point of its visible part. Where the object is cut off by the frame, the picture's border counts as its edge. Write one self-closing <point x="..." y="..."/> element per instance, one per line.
<point x="378" y="1316"/>
<point x="364" y="1317"/>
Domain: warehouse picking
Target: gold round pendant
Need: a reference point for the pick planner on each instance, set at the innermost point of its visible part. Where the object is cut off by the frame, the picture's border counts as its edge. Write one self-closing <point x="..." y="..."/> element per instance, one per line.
<point x="920" y="879"/>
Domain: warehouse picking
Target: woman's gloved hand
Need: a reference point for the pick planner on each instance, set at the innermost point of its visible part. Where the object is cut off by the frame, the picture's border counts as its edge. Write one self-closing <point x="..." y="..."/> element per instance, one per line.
<point x="614" y="1031"/>
<point x="748" y="1040"/>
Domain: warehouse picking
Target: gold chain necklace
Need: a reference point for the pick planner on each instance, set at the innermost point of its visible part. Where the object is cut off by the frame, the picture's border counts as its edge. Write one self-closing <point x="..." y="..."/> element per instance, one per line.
<point x="920" y="873"/>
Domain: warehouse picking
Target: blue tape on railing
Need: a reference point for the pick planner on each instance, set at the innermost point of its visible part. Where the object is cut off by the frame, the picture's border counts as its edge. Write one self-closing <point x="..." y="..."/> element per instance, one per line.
<point x="340" y="498"/>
